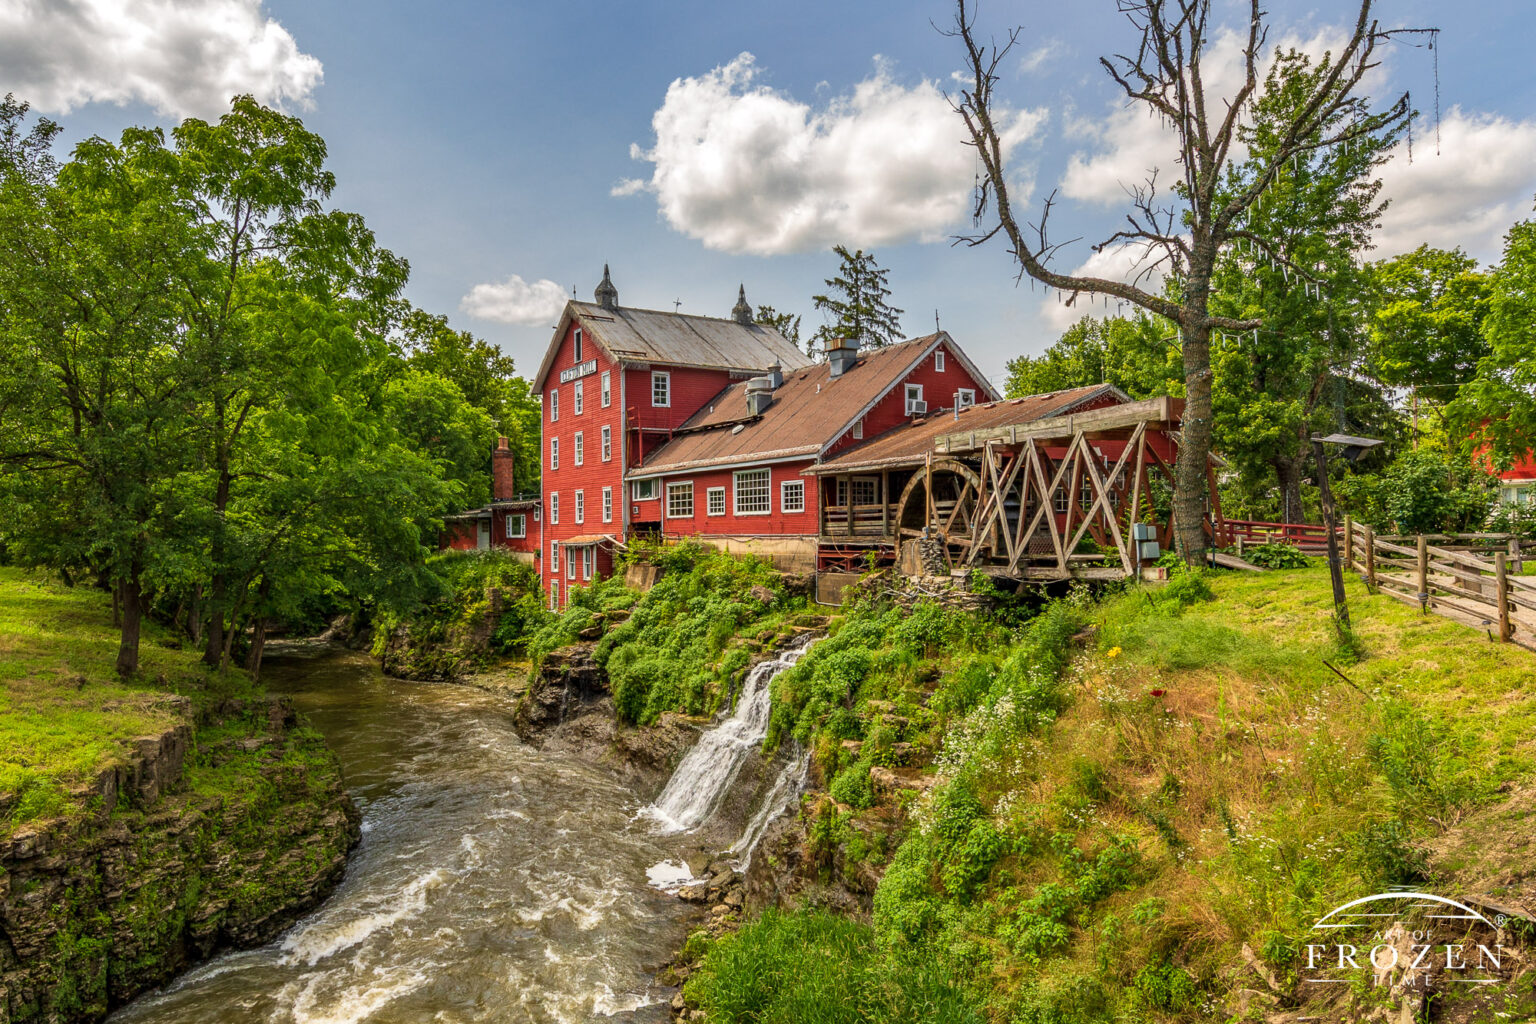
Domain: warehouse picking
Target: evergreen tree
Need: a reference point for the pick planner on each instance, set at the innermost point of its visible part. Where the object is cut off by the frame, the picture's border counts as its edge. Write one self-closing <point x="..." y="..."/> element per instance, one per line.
<point x="855" y="305"/>
<point x="787" y="324"/>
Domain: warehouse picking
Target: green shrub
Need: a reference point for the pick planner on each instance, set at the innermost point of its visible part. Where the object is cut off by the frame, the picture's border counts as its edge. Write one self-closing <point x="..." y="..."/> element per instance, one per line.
<point x="852" y="785"/>
<point x="1276" y="555"/>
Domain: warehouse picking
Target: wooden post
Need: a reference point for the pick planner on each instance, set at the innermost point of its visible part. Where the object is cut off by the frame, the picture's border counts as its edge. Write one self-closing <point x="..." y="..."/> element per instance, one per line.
<point x="1514" y="554"/>
<point x="928" y="489"/>
<point x="1370" y="557"/>
<point x="1423" y="574"/>
<point x="885" y="502"/>
<point x="1349" y="543"/>
<point x="1501" y="592"/>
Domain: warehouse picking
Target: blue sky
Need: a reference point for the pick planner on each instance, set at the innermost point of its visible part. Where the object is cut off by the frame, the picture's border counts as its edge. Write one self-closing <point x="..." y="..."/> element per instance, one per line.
<point x="483" y="141"/>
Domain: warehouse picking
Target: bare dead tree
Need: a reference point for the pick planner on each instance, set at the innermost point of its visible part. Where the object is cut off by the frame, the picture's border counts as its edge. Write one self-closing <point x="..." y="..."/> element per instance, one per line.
<point x="1186" y="230"/>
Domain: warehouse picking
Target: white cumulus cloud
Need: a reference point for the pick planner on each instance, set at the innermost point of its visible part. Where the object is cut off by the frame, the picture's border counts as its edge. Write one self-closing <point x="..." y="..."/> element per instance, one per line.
<point x="745" y="168"/>
<point x="515" y="301"/>
<point x="181" y="57"/>
<point x="1468" y="194"/>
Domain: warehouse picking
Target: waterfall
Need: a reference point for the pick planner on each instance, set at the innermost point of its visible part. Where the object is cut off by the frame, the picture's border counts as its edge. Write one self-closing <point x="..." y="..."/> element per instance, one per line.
<point x="789" y="785"/>
<point x="706" y="773"/>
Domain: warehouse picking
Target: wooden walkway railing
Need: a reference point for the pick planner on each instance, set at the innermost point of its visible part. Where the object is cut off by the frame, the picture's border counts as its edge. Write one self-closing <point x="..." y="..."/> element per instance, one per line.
<point x="1447" y="578"/>
<point x="1240" y="533"/>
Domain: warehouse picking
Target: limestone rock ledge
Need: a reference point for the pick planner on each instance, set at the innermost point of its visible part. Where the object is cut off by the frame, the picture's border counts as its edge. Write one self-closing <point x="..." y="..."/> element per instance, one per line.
<point x="215" y="834"/>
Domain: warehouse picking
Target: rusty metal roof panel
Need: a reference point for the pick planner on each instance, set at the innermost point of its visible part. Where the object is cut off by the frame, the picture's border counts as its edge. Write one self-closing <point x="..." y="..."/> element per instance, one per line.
<point x="654" y="336"/>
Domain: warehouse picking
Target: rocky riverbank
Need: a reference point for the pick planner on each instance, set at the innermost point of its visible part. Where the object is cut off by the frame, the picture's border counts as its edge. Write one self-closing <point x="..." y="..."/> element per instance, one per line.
<point x="219" y="832"/>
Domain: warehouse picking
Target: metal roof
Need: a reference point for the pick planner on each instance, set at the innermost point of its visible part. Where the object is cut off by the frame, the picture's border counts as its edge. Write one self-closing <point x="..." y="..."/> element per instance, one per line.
<point x="677" y="339"/>
<point x="911" y="443"/>
<point x="809" y="411"/>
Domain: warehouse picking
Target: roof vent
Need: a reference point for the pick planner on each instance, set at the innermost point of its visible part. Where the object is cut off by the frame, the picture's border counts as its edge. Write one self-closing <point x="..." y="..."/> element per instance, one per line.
<point x="842" y="354"/>
<point x="759" y="395"/>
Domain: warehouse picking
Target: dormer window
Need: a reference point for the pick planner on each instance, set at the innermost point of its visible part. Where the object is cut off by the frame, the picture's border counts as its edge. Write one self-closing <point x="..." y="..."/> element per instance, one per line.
<point x="576" y="343"/>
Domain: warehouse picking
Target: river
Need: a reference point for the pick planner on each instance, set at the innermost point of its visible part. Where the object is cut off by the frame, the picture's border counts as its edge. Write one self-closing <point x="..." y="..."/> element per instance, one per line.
<point x="493" y="883"/>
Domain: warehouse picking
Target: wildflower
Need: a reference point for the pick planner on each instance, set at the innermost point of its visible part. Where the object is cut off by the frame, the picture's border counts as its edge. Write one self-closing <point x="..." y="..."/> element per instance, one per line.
<point x="1114" y="652"/>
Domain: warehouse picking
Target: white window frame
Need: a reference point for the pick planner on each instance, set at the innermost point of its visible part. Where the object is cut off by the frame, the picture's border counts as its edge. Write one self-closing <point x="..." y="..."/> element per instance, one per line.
<point x="576" y="340"/>
<point x="578" y="452"/>
<point x="581" y="506"/>
<point x="661" y="380"/>
<point x="845" y="487"/>
<point x="576" y="403"/>
<point x="554" y="508"/>
<point x="710" y="494"/>
<point x="652" y="492"/>
<point x="554" y="593"/>
<point x="607" y="504"/>
<point x="785" y="486"/>
<point x="554" y="453"/>
<point x="607" y="389"/>
<point x="914" y="393"/>
<point x="965" y="398"/>
<point x="554" y="557"/>
<point x="522" y="525"/>
<point x="570" y="568"/>
<point x="679" y="489"/>
<point x="607" y="444"/>
<point x="588" y="561"/>
<point x="554" y="405"/>
<point x="938" y="360"/>
<point x="1061" y="501"/>
<point x="858" y="429"/>
<point x="767" y="496"/>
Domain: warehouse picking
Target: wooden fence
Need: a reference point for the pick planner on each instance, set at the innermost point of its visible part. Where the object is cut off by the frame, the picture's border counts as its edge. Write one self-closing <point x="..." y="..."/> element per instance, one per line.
<point x="1241" y="533"/>
<point x="1471" y="578"/>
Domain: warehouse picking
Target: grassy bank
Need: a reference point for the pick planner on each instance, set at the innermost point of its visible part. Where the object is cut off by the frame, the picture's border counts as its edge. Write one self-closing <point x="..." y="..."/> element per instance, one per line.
<point x="1143" y="827"/>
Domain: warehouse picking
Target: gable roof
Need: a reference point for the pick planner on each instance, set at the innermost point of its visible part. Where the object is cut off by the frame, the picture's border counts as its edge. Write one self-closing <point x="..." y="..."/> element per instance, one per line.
<point x="911" y="442"/>
<point x="676" y="339"/>
<point x="810" y="410"/>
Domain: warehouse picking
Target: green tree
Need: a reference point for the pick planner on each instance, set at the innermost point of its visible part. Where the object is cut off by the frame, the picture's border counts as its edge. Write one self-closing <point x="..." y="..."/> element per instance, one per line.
<point x="855" y="304"/>
<point x="787" y="324"/>
<point x="1135" y="354"/>
<point x="1498" y="406"/>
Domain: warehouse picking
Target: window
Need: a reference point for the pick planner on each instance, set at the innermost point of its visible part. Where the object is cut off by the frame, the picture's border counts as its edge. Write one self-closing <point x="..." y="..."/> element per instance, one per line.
<point x="1062" y="501"/>
<point x="581" y="506"/>
<point x="792" y="496"/>
<point x="715" y="501"/>
<point x="554" y="595"/>
<point x="554" y="405"/>
<point x="554" y="557"/>
<point x="661" y="389"/>
<point x="554" y="508"/>
<point x="607" y="504"/>
<point x="577" y="347"/>
<point x="965" y="398"/>
<point x="680" y="500"/>
<point x="607" y="444"/>
<point x="580" y="448"/>
<point x="914" y="396"/>
<point x="751" y="492"/>
<point x="570" y="569"/>
<point x="866" y="490"/>
<point x="643" y="490"/>
<point x="554" y="453"/>
<point x="576" y="405"/>
<point x="1085" y="501"/>
<point x="588" y="557"/>
<point x="858" y="429"/>
<point x="938" y="360"/>
<point x="607" y="390"/>
<point x="517" y="526"/>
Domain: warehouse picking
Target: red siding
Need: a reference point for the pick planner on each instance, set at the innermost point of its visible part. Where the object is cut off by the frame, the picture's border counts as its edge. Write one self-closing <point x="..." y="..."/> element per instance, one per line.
<point x="774" y="523"/>
<point x="939" y="387"/>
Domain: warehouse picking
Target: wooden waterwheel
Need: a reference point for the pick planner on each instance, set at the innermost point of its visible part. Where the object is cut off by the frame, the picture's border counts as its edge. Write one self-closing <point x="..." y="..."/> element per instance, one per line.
<point x="941" y="503"/>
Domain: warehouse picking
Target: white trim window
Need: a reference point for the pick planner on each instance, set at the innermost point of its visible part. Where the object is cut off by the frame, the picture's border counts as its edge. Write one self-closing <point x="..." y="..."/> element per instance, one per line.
<point x="581" y="505"/>
<point x="938" y="360"/>
<point x="792" y="496"/>
<point x="661" y="389"/>
<point x="752" y="492"/>
<point x="914" y="395"/>
<point x="607" y="504"/>
<point x="576" y="340"/>
<point x="607" y="389"/>
<point x="554" y="405"/>
<point x="858" y="429"/>
<point x="554" y="453"/>
<point x="570" y="569"/>
<point x="680" y="500"/>
<point x="554" y="508"/>
<point x="965" y="398"/>
<point x="1061" y="501"/>
<point x="517" y="525"/>
<point x="554" y="592"/>
<point x="554" y="557"/>
<point x="643" y="490"/>
<point x="579" y="449"/>
<point x="577" y="403"/>
<point x="607" y="444"/>
<point x="588" y="560"/>
<point x="714" y="501"/>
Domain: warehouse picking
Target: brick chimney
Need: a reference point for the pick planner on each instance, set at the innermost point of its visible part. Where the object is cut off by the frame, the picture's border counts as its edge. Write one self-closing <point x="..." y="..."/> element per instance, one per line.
<point x="501" y="472"/>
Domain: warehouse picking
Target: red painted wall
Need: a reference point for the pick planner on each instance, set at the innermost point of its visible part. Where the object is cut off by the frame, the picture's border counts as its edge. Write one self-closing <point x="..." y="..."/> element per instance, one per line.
<point x="776" y="523"/>
<point x="939" y="389"/>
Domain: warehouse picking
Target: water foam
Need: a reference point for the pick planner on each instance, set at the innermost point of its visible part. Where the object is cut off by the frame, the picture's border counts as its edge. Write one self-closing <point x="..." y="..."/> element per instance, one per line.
<point x="786" y="788"/>
<point x="320" y="938"/>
